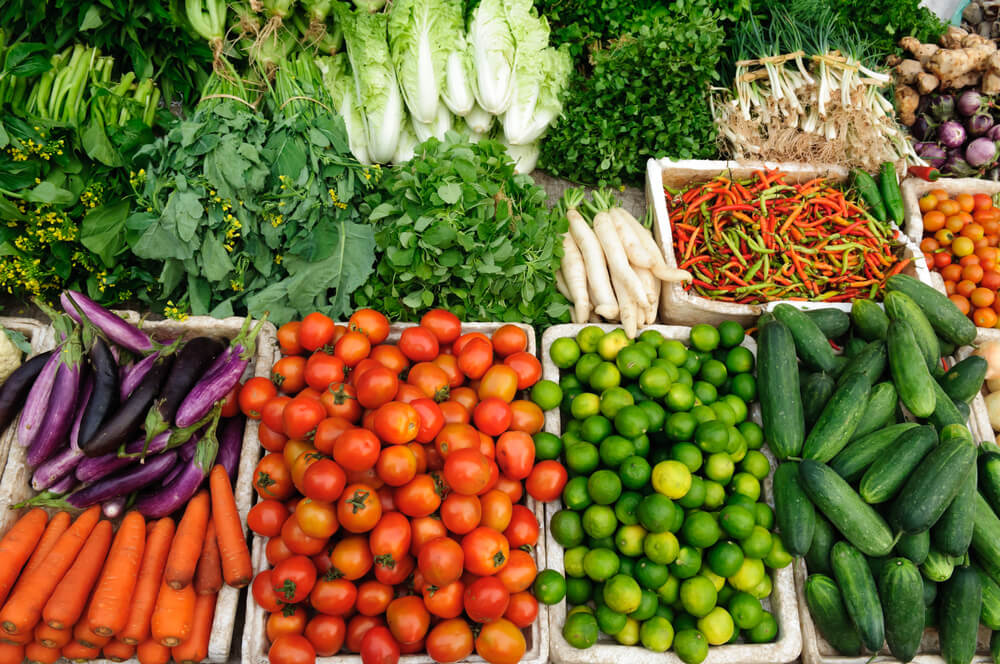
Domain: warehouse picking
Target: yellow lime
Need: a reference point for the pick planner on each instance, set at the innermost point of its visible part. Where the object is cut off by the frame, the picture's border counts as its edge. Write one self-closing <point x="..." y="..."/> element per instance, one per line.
<point x="672" y="479"/>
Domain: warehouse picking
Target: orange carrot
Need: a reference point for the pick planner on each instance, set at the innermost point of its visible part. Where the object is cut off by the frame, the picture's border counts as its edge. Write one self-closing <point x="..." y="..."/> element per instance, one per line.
<point x="65" y="606"/>
<point x="11" y="654"/>
<point x="173" y="616"/>
<point x="109" y="608"/>
<point x="117" y="651"/>
<point x="17" y="545"/>
<point x="36" y="653"/>
<point x="151" y="652"/>
<point x="186" y="549"/>
<point x="158" y="541"/>
<point x="208" y="576"/>
<point x="52" y="638"/>
<point x="57" y="526"/>
<point x="195" y="647"/>
<point x="233" y="550"/>
<point x="24" y="607"/>
<point x="77" y="652"/>
<point x="83" y="635"/>
<point x="22" y="639"/>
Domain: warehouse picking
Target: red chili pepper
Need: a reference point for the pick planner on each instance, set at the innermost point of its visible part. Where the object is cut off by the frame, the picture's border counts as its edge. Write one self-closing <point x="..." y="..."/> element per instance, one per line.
<point x="928" y="173"/>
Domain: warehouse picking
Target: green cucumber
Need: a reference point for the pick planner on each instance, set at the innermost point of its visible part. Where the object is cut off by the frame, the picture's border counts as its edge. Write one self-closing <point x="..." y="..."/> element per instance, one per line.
<point x="914" y="547"/>
<point x="817" y="389"/>
<point x="946" y="411"/>
<point x="870" y="321"/>
<point x="869" y="190"/>
<point x="857" y="586"/>
<point x="778" y="387"/>
<point x="912" y="379"/>
<point x="890" y="470"/>
<point x="964" y="409"/>
<point x="989" y="476"/>
<point x="930" y="592"/>
<point x="892" y="198"/>
<point x="795" y="515"/>
<point x="901" y="591"/>
<point x="959" y="606"/>
<point x="986" y="538"/>
<point x="837" y="501"/>
<point x="990" y="613"/>
<point x="900" y="306"/>
<point x="854" y="346"/>
<point x="947" y="347"/>
<point x="818" y="555"/>
<point x="964" y="380"/>
<point x="942" y="313"/>
<point x="811" y="344"/>
<point x="852" y="461"/>
<point x="936" y="481"/>
<point x="829" y="615"/>
<point x="880" y="410"/>
<point x="952" y="534"/>
<point x="870" y="362"/>
<point x="839" y="419"/>
<point x="938" y="567"/>
<point x="834" y="322"/>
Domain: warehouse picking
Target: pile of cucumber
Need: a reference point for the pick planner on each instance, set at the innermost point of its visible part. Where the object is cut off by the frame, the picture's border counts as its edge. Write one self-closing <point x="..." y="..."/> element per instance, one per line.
<point x="880" y="485"/>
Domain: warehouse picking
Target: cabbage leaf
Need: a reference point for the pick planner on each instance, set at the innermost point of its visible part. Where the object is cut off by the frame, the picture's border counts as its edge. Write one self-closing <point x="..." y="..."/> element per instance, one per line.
<point x="339" y="82"/>
<point x="417" y="38"/>
<point x="541" y="79"/>
<point x="493" y="54"/>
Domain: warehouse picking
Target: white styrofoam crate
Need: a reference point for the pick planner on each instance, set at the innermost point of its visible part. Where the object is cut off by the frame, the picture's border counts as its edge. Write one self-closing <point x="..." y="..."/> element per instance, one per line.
<point x="37" y="334"/>
<point x="255" y="644"/>
<point x="782" y="602"/>
<point x="15" y="485"/>
<point x="687" y="308"/>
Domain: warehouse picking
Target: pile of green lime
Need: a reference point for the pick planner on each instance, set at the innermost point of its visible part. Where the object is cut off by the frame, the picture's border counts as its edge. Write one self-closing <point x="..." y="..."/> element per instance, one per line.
<point x="667" y="541"/>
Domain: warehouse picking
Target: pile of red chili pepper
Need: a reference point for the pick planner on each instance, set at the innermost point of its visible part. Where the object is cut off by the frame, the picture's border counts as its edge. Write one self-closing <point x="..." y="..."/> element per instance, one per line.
<point x="765" y="239"/>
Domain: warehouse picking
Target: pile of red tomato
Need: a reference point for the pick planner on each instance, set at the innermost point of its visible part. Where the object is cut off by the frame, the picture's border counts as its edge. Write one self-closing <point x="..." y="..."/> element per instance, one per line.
<point x="392" y="490"/>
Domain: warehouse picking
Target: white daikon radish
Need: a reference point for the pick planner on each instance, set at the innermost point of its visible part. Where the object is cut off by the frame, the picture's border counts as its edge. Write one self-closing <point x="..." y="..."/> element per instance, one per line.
<point x="627" y="306"/>
<point x="598" y="279"/>
<point x="638" y="254"/>
<point x="618" y="265"/>
<point x="575" y="275"/>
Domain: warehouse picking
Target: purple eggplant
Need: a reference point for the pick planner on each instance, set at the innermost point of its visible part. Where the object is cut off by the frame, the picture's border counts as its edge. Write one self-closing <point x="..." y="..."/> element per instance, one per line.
<point x="979" y="124"/>
<point x="134" y="374"/>
<point x="981" y="152"/>
<point x="113" y="508"/>
<point x="93" y="468"/>
<point x="62" y="403"/>
<point x="64" y="485"/>
<point x="104" y="399"/>
<point x="942" y="107"/>
<point x="171" y="497"/>
<point x="15" y="389"/>
<point x="969" y="103"/>
<point x="231" y="444"/>
<point x="951" y="134"/>
<point x="36" y="405"/>
<point x="188" y="368"/>
<point x="66" y="461"/>
<point x="217" y="384"/>
<point x="933" y="153"/>
<point x="114" y="328"/>
<point x="922" y="129"/>
<point x="957" y="166"/>
<point x="124" y="481"/>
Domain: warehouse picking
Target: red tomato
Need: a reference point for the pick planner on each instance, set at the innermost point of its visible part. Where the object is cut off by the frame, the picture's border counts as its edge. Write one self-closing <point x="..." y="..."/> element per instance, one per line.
<point x="434" y="459"/>
<point x="323" y="370"/>
<point x="454" y="437"/>
<point x="467" y="471"/>
<point x="376" y="387"/>
<point x="397" y="423"/>
<point x="486" y="599"/>
<point x="293" y="579"/>
<point x="385" y="499"/>
<point x="255" y="393"/>
<point x="509" y="339"/>
<point x="463" y="340"/>
<point x="499" y="381"/>
<point x="352" y="348"/>
<point x="431" y="379"/>
<point x="326" y="634"/>
<point x="430" y="418"/>
<point x="370" y="323"/>
<point x="356" y="449"/>
<point x="327" y="433"/>
<point x="519" y="572"/>
<point x="444" y="601"/>
<point x="546" y="481"/>
<point x="334" y="597"/>
<point x="373" y="598"/>
<point x="419" y="344"/>
<point x="486" y="551"/>
<point x="511" y="487"/>
<point x="288" y="374"/>
<point x="449" y="364"/>
<point x="357" y="627"/>
<point x="272" y="479"/>
<point x="522" y="610"/>
<point x="497" y="510"/>
<point x="494" y="476"/>
<point x="301" y="416"/>
<point x="389" y="540"/>
<point x="450" y="641"/>
<point x="455" y="413"/>
<point x="515" y="454"/>
<point x="492" y="416"/>
<point x="290" y="621"/>
<point x="393" y="576"/>
<point x="527" y="367"/>
<point x="369" y="477"/>
<point x="340" y="400"/>
<point x="288" y="338"/>
<point x="316" y="519"/>
<point x="359" y="509"/>
<point x="266" y="518"/>
<point x="361" y="369"/>
<point x="291" y="649"/>
<point x="408" y="619"/>
<point x="420" y="496"/>
<point x="440" y="561"/>
<point x="501" y="642"/>
<point x="526" y="416"/>
<point x="263" y="592"/>
<point x="298" y="542"/>
<point x="316" y="331"/>
<point x="420" y="454"/>
<point x="465" y="396"/>
<point x="379" y="647"/>
<point x="271" y="440"/>
<point x="390" y="357"/>
<point x="523" y="528"/>
<point x="487" y="446"/>
<point x="460" y="514"/>
<point x="301" y="463"/>
<point x="409" y="393"/>
<point x="444" y="325"/>
<point x="276" y="550"/>
<point x="425" y="529"/>
<point x="310" y="393"/>
<point x="351" y="557"/>
<point x="396" y="465"/>
<point x="475" y="358"/>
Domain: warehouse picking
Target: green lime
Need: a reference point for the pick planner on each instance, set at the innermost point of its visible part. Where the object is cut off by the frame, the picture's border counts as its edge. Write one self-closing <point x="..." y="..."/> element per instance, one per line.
<point x="737" y="447"/>
<point x="745" y="610"/>
<point x="719" y="468"/>
<point x="629" y="636"/>
<point x="764" y="631"/>
<point x="655" y="414"/>
<point x="573" y="561"/>
<point x="671" y="478"/>
<point x="628" y="540"/>
<point x="705" y="392"/>
<point x="700" y="530"/>
<point x="712" y="436"/>
<point x="611" y="344"/>
<point x="665" y="611"/>
<point x="674" y="352"/>
<point x="737" y="521"/>
<point x="605" y="375"/>
<point x="614" y="450"/>
<point x="687" y="563"/>
<point x="758" y="544"/>
<point x="717" y="626"/>
<point x="756" y="464"/>
<point x="572" y="433"/>
<point x="698" y="596"/>
<point x="627" y="508"/>
<point x="631" y="421"/>
<point x="656" y="634"/>
<point x="606" y="542"/>
<point x="744" y="386"/>
<point x="661" y="548"/>
<point x="704" y="337"/>
<point x="738" y="405"/>
<point x="600" y="564"/>
<point x="568" y="396"/>
<point x="582" y="458"/>
<point x="687" y="454"/>
<point x="725" y="559"/>
<point x="580" y="629"/>
<point x="739" y="360"/>
<point x="622" y="594"/>
<point x="631" y="361"/>
<point x="569" y="381"/>
<point x="684" y="377"/>
<point x="651" y="337"/>
<point x="564" y="352"/>
<point x="588" y="337"/>
<point x="567" y="528"/>
<point x="725" y="594"/>
<point x="647" y="349"/>
<point x="626" y="567"/>
<point x="595" y="429"/>
<point x="680" y="426"/>
<point x="635" y="472"/>
<point x="604" y="487"/>
<point x="661" y="453"/>
<point x="641" y="445"/>
<point x="691" y="646"/>
<point x="578" y="590"/>
<point x="575" y="495"/>
<point x="655" y="382"/>
<point x="751" y="573"/>
<point x="549" y="587"/>
<point x="582" y="608"/>
<point x="649" y="574"/>
<point x="546" y="394"/>
<point x="667" y="366"/>
<point x="778" y="556"/>
<point x="702" y="413"/>
<point x="614" y="399"/>
<point x="584" y="405"/>
<point x="669" y="591"/>
<point x="730" y="334"/>
<point x="713" y="372"/>
<point x="724" y="413"/>
<point x="762" y="589"/>
<point x="715" y="495"/>
<point x="647" y="606"/>
<point x="683" y="620"/>
<point x="694" y="361"/>
<point x="741" y="500"/>
<point x="695" y="496"/>
<point x="610" y="622"/>
<point x="763" y="515"/>
<point x="656" y="513"/>
<point x="547" y="446"/>
<point x="637" y="394"/>
<point x="599" y="521"/>
<point x="584" y="368"/>
<point x="747" y="484"/>
<point x="752" y="433"/>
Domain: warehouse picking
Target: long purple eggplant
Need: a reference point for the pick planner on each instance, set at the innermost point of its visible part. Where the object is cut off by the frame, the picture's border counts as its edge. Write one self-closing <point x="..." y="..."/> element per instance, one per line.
<point x="65" y="485"/>
<point x="171" y="497"/>
<point x="66" y="461"/>
<point x="134" y="373"/>
<point x="62" y="403"/>
<point x="94" y="468"/>
<point x="188" y="368"/>
<point x="124" y="481"/>
<point x="36" y="405"/>
<point x="113" y="508"/>
<point x="123" y="425"/>
<point x="14" y="390"/>
<point x="121" y="332"/>
<point x="104" y="399"/>
<point x="231" y="444"/>
<point x="217" y="384"/>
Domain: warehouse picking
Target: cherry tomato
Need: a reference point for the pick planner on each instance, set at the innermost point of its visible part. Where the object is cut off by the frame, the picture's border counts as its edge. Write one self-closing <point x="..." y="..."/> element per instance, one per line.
<point x="450" y="641"/>
<point x="356" y="449"/>
<point x="288" y="338"/>
<point x="523" y="528"/>
<point x="499" y="381"/>
<point x="440" y="561"/>
<point x="270" y="440"/>
<point x="352" y="348"/>
<point x="310" y="393"/>
<point x="408" y="619"/>
<point x="396" y="423"/>
<point x="334" y="597"/>
<point x="449" y="364"/>
<point x="272" y="479"/>
<point x="255" y="393"/>
<point x="431" y="379"/>
<point x="486" y="551"/>
<point x="357" y="627"/>
<point x="460" y="514"/>
<point x="420" y="496"/>
<point x="434" y="459"/>
<point x="301" y="416"/>
<point x="276" y="550"/>
<point x="326" y="634"/>
<point x="291" y="649"/>
<point x="377" y="386"/>
<point x="546" y="481"/>
<point x="293" y="579"/>
<point x="379" y="647"/>
<point x="475" y="358"/>
<point x="390" y="357"/>
<point x="393" y="576"/>
<point x="370" y="323"/>
<point x="263" y="592"/>
<point x="281" y="623"/>
<point x="420" y="454"/>
<point x="455" y="413"/>
<point x="298" y="542"/>
<point x="323" y="370"/>
<point x="466" y="471"/>
<point x="430" y="419"/>
<point x="409" y="393"/>
<point x="492" y="416"/>
<point x="509" y="339"/>
<point x="453" y="437"/>
<point x="316" y="519"/>
<point x="358" y="509"/>
<point x="373" y="598"/>
<point x="522" y="609"/>
<point x="501" y="642"/>
<point x="463" y="341"/>
<point x="389" y="540"/>
<point x="288" y="374"/>
<point x="486" y="599"/>
<point x="444" y="325"/>
<point x="418" y="344"/>
<point x="516" y="454"/>
<point x="266" y="518"/>
<point x="519" y="572"/>
<point x="385" y="499"/>
<point x="352" y="557"/>
<point x="396" y="465"/>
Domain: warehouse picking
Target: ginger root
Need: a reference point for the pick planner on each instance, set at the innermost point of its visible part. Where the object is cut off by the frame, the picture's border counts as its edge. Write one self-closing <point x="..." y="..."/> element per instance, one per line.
<point x="922" y="52"/>
<point x="952" y="37"/>
<point x="990" y="84"/>
<point x="927" y="83"/>
<point x="907" y="100"/>
<point x="907" y="71"/>
<point x="957" y="68"/>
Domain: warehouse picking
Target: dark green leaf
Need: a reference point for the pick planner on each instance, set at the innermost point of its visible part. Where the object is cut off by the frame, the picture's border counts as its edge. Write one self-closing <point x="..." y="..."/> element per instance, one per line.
<point x="102" y="230"/>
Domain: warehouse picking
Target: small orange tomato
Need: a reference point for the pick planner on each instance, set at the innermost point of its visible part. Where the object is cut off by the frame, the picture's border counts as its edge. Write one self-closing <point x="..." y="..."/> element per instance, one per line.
<point x="966" y="202"/>
<point x="965" y="287"/>
<point x="954" y="223"/>
<point x="526" y="416"/>
<point x="929" y="245"/>
<point x="982" y="201"/>
<point x="927" y="202"/>
<point x="499" y="381"/>
<point x="973" y="273"/>
<point x="952" y="272"/>
<point x="961" y="302"/>
<point x="944" y="237"/>
<point x="985" y="318"/>
<point x="949" y="207"/>
<point x="982" y="297"/>
<point x="933" y="221"/>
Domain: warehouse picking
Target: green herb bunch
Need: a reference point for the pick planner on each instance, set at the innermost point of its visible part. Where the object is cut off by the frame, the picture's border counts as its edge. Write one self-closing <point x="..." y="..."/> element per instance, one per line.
<point x="645" y="96"/>
<point x="456" y="228"/>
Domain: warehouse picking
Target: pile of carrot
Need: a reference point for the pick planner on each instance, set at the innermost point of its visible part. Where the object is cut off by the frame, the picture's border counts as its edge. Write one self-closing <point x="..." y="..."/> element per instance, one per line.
<point x="78" y="590"/>
<point x="764" y="239"/>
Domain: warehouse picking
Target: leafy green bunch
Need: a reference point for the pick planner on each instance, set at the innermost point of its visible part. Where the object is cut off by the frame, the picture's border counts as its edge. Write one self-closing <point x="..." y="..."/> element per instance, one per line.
<point x="456" y="228"/>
